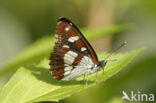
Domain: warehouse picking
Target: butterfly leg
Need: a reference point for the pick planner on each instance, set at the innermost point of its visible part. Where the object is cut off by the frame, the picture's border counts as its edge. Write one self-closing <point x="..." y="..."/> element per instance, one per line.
<point x="87" y="80"/>
<point x="96" y="76"/>
<point x="103" y="70"/>
<point x="84" y="76"/>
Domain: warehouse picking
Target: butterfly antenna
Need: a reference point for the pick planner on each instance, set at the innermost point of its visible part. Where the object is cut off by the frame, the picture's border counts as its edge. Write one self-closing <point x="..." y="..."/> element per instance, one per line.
<point x="123" y="44"/>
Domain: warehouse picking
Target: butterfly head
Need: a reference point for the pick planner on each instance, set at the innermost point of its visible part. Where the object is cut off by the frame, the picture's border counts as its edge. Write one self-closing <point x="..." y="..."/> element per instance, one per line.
<point x="102" y="63"/>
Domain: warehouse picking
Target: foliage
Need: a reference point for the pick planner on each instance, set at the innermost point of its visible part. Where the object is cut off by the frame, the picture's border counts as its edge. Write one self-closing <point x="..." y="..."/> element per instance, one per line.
<point x="34" y="83"/>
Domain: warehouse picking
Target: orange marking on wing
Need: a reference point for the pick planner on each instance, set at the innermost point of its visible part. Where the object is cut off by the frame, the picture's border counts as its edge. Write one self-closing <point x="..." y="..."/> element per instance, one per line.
<point x="59" y="76"/>
<point x="72" y="32"/>
<point x="61" y="70"/>
<point x="60" y="28"/>
<point x="92" y="54"/>
<point x="77" y="59"/>
<point x="62" y="52"/>
<point x="51" y="63"/>
<point x="60" y="65"/>
<point x="52" y="68"/>
<point x="54" y="73"/>
<point x="79" y="44"/>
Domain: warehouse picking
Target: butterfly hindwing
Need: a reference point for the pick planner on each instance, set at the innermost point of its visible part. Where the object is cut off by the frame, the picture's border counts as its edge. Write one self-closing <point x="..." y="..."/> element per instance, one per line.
<point x="72" y="54"/>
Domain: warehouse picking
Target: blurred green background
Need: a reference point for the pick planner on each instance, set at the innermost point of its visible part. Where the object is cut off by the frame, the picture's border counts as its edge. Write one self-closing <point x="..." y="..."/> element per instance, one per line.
<point x="23" y="22"/>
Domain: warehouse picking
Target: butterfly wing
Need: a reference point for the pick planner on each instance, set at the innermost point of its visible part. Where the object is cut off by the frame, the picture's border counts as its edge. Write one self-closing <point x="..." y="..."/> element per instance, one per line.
<point x="72" y="54"/>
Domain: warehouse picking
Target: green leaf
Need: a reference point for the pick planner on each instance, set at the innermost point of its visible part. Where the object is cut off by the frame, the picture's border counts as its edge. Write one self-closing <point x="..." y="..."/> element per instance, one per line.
<point x="42" y="47"/>
<point x="35" y="83"/>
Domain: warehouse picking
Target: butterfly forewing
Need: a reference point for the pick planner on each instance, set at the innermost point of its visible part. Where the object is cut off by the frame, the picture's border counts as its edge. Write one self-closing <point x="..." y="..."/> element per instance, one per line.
<point x="72" y="54"/>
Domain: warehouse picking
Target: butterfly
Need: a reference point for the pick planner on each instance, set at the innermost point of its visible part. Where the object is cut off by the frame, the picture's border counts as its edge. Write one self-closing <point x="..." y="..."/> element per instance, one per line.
<point x="72" y="55"/>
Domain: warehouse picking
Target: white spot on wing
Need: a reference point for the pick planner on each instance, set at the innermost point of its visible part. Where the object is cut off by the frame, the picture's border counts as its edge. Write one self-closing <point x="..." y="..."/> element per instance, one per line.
<point x="73" y="53"/>
<point x="68" y="60"/>
<point x="56" y="35"/>
<point x="73" y="39"/>
<point x="83" y="49"/>
<point x="69" y="57"/>
<point x="65" y="46"/>
<point x="68" y="68"/>
<point x="70" y="23"/>
<point x="67" y="28"/>
<point x="67" y="73"/>
<point x="66" y="65"/>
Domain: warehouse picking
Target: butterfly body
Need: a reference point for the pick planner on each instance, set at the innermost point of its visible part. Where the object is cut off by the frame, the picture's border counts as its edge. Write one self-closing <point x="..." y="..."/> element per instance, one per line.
<point x="72" y="56"/>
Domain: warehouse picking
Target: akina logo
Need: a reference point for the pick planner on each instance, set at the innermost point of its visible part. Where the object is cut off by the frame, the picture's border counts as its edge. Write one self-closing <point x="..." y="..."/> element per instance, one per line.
<point x="138" y="96"/>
